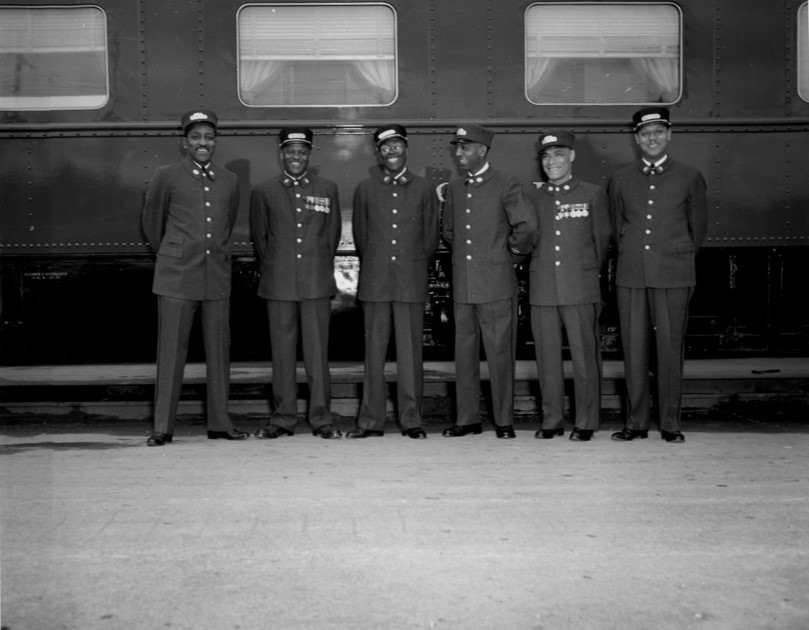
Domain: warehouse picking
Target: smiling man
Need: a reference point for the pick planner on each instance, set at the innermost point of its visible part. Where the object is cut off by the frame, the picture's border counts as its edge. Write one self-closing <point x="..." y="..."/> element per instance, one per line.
<point x="489" y="225"/>
<point x="188" y="215"/>
<point x="564" y="286"/>
<point x="660" y="217"/>
<point x="295" y="226"/>
<point x="395" y="225"/>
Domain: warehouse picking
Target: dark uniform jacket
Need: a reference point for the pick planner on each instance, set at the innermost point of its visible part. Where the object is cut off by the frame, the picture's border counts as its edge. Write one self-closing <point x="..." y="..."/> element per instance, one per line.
<point x="188" y="220"/>
<point x="395" y="226"/>
<point x="296" y="231"/>
<point x="660" y="222"/>
<point x="489" y="225"/>
<point x="571" y="243"/>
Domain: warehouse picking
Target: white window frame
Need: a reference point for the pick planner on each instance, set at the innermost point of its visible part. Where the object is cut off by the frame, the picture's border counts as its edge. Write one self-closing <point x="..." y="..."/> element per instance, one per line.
<point x="387" y="55"/>
<point x="55" y="102"/>
<point x="532" y="71"/>
<point x="803" y="51"/>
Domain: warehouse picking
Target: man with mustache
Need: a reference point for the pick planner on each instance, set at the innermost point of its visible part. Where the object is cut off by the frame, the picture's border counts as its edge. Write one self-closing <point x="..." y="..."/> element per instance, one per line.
<point x="564" y="286"/>
<point x="295" y="225"/>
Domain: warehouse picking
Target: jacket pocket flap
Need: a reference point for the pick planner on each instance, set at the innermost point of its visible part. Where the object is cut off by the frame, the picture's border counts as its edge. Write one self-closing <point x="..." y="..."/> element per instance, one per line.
<point x="173" y="251"/>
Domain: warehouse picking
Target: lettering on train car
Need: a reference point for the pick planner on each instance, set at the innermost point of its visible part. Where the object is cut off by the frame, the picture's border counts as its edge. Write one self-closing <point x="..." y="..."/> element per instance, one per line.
<point x="45" y="275"/>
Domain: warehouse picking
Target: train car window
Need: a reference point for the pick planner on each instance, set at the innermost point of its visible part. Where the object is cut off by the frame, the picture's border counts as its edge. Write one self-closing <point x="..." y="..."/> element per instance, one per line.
<point x="803" y="51"/>
<point x="53" y="58"/>
<point x="316" y="55"/>
<point x="602" y="54"/>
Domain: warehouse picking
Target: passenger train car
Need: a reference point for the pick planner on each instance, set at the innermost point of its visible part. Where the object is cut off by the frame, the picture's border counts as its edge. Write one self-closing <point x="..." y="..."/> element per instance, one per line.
<point x="91" y="94"/>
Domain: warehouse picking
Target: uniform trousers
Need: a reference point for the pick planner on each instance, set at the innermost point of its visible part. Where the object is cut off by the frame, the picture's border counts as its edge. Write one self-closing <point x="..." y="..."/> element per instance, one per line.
<point x="175" y="319"/>
<point x="408" y="327"/>
<point x="495" y="324"/>
<point x="308" y="319"/>
<point x="662" y="313"/>
<point x="583" y="333"/>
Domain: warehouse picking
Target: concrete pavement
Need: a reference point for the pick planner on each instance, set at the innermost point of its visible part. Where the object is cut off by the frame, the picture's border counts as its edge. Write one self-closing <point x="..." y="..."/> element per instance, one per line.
<point x="101" y="532"/>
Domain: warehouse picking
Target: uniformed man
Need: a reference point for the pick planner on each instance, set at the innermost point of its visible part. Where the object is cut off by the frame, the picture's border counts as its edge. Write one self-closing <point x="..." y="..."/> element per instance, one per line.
<point x="395" y="224"/>
<point x="564" y="286"/>
<point x="295" y="226"/>
<point x="188" y="215"/>
<point x="659" y="214"/>
<point x="489" y="226"/>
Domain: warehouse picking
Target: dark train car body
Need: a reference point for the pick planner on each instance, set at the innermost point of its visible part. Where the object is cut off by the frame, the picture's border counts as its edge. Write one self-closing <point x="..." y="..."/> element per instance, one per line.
<point x="75" y="282"/>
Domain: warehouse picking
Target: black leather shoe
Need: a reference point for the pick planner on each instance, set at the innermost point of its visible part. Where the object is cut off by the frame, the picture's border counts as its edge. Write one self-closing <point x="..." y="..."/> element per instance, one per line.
<point x="416" y="433"/>
<point x="361" y="432"/>
<point x="627" y="435"/>
<point x="457" y="430"/>
<point x="327" y="432"/>
<point x="548" y="434"/>
<point x="672" y="436"/>
<point x="581" y="435"/>
<point x="233" y="434"/>
<point x="272" y="431"/>
<point x="506" y="431"/>
<point x="159" y="439"/>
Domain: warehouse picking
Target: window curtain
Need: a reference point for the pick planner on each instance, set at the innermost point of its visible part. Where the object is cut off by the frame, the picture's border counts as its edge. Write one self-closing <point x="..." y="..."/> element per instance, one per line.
<point x="663" y="73"/>
<point x="380" y="73"/>
<point x="257" y="75"/>
<point x="537" y="72"/>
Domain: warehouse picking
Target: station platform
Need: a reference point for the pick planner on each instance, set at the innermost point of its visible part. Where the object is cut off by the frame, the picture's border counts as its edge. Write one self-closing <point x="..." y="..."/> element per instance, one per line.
<point x="475" y="533"/>
<point x="100" y="532"/>
<point x="125" y="391"/>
